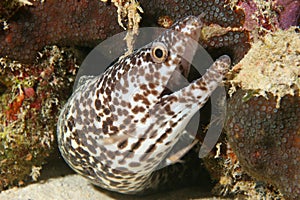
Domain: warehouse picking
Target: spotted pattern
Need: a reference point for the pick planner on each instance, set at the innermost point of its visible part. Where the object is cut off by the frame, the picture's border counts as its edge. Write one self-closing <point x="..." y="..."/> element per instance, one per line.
<point x="117" y="128"/>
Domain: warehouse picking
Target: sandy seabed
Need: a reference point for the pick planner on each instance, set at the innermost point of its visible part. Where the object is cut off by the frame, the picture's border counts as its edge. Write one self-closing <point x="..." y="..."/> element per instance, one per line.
<point x="58" y="182"/>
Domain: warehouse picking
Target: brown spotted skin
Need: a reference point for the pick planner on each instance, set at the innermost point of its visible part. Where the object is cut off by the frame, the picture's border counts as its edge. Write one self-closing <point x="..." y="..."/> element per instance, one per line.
<point x="117" y="128"/>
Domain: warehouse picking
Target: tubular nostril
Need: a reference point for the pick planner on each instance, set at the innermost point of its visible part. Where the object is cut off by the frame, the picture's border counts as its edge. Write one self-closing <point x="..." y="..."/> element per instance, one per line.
<point x="225" y="59"/>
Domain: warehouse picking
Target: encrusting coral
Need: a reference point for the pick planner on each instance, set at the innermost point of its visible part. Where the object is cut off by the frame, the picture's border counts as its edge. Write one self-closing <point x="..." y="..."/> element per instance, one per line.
<point x="31" y="96"/>
<point x="86" y="23"/>
<point x="263" y="121"/>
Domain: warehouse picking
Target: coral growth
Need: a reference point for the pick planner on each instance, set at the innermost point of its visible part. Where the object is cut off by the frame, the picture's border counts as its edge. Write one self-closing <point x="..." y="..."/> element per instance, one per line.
<point x="31" y="96"/>
<point x="266" y="16"/>
<point x="28" y="26"/>
<point x="266" y="139"/>
<point x="289" y="13"/>
<point x="230" y="177"/>
<point x="9" y="7"/>
<point x="56" y="22"/>
<point x="85" y="23"/>
<point x="263" y="122"/>
<point x="272" y="65"/>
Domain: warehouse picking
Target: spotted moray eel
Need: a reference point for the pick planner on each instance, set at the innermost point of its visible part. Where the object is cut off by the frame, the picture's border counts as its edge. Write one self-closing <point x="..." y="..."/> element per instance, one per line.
<point x="118" y="127"/>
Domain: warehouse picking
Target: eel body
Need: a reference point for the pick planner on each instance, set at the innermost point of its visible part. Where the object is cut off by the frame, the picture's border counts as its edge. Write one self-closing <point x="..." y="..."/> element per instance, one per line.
<point x="118" y="128"/>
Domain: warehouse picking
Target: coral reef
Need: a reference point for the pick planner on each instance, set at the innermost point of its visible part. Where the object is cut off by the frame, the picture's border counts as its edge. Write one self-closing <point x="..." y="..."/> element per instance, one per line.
<point x="267" y="141"/>
<point x="85" y="23"/>
<point x="56" y="22"/>
<point x="9" y="7"/>
<point x="272" y="65"/>
<point x="31" y="96"/>
<point x="231" y="179"/>
<point x="266" y="16"/>
<point x="263" y="121"/>
<point x="28" y="26"/>
<point x="289" y="14"/>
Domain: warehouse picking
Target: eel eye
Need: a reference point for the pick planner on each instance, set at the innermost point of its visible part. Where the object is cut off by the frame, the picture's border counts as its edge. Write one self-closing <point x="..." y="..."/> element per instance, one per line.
<point x="159" y="52"/>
